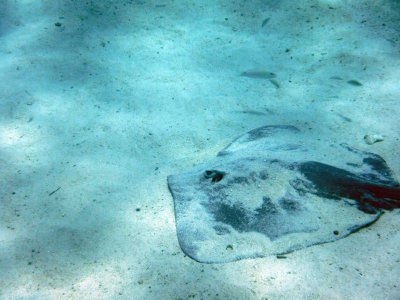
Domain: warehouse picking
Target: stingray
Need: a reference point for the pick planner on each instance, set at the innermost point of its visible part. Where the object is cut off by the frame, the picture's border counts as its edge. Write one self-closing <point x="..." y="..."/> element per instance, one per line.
<point x="273" y="191"/>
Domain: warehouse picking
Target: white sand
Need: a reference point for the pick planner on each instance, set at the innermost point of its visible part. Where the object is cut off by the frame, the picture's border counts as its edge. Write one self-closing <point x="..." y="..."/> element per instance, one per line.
<point x="124" y="93"/>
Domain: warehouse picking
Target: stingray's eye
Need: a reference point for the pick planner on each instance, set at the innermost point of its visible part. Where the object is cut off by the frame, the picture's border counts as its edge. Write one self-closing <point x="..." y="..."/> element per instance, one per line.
<point x="214" y="175"/>
<point x="208" y="174"/>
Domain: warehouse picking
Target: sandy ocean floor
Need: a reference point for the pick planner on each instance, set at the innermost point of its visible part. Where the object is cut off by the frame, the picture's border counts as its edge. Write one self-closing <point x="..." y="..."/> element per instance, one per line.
<point x="101" y="100"/>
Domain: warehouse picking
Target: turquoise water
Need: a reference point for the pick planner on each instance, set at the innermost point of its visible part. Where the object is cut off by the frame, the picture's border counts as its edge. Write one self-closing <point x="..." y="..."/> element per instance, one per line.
<point x="101" y="100"/>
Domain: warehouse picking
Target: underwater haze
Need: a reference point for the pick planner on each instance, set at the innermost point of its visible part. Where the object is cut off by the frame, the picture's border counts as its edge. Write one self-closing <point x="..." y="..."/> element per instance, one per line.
<point x="101" y="101"/>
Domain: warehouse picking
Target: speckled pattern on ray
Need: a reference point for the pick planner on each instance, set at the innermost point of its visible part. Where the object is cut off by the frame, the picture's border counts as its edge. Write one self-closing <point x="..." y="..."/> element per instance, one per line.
<point x="270" y="193"/>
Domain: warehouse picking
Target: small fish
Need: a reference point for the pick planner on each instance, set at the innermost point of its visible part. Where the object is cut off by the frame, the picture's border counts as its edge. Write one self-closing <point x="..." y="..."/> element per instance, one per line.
<point x="56" y="190"/>
<point x="252" y="112"/>
<point x="354" y="82"/>
<point x="344" y="117"/>
<point x="265" y="22"/>
<point x="258" y="74"/>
